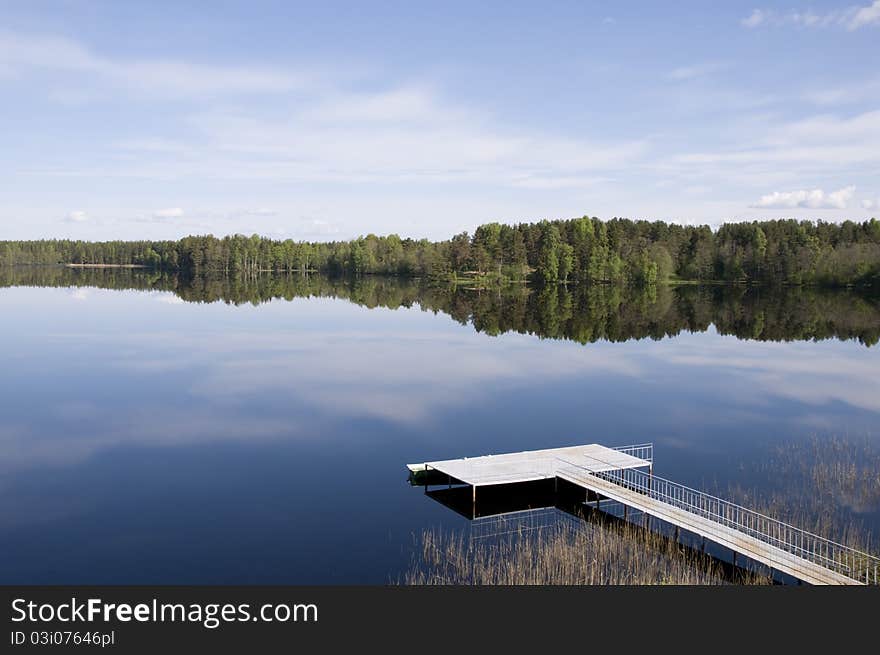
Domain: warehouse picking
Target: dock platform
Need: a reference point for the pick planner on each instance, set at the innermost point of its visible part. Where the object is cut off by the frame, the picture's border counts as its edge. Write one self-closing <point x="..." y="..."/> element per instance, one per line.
<point x="626" y="475"/>
<point x="529" y="465"/>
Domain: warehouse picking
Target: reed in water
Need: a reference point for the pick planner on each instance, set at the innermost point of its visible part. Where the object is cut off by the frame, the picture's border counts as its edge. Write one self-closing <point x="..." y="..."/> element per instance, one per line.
<point x="829" y="486"/>
<point x="564" y="552"/>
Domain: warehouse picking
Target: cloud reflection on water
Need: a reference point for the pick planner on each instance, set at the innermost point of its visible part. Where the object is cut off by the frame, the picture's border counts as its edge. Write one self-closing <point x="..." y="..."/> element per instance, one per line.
<point x="156" y="376"/>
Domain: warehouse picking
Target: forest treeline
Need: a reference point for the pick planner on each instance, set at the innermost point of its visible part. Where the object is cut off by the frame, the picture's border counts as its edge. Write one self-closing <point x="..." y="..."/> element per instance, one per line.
<point x="584" y="249"/>
<point x="582" y="313"/>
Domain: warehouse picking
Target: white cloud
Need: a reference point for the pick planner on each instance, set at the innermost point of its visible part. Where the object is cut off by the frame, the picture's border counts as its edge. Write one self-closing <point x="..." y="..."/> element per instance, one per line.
<point x="153" y="145"/>
<point x="863" y="91"/>
<point x="814" y="199"/>
<point x="698" y="189"/>
<point x="78" y="216"/>
<point x="71" y="97"/>
<point x="783" y="152"/>
<point x="850" y="18"/>
<point x="315" y="227"/>
<point x="832" y="131"/>
<point x="756" y="18"/>
<point x="694" y="71"/>
<point x="348" y="139"/>
<point x="402" y="134"/>
<point x="869" y="15"/>
<point x="555" y="182"/>
<point x="871" y="204"/>
<point x="381" y="143"/>
<point x="392" y="106"/>
<point x="143" y="76"/>
<point x="170" y="212"/>
<point x="259" y="211"/>
<point x="810" y="19"/>
<point x="429" y="139"/>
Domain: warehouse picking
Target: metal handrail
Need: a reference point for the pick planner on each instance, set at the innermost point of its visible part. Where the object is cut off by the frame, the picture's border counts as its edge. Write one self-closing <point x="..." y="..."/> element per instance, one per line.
<point x="829" y="554"/>
<point x="642" y="451"/>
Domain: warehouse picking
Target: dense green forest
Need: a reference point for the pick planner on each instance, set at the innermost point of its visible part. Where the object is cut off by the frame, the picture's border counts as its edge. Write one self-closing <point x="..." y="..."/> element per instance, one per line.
<point x="582" y="313"/>
<point x="578" y="250"/>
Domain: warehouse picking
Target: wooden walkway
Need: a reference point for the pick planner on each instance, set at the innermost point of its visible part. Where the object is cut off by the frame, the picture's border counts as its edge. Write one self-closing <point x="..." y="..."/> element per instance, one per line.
<point x="749" y="546"/>
<point x="618" y="474"/>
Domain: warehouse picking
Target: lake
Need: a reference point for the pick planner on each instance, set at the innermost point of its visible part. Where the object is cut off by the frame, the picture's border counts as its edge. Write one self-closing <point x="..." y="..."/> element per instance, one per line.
<point x="206" y="431"/>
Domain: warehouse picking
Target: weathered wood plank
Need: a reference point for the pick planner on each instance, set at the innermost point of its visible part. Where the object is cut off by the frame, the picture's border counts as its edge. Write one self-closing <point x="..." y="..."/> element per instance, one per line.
<point x="530" y="465"/>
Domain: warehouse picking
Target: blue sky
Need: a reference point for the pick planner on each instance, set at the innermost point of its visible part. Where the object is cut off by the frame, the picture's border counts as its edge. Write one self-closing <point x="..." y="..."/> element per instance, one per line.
<point x="329" y="120"/>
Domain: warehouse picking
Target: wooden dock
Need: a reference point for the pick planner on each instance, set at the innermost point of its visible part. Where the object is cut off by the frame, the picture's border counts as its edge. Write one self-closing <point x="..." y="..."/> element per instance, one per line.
<point x="625" y="475"/>
<point x="529" y="465"/>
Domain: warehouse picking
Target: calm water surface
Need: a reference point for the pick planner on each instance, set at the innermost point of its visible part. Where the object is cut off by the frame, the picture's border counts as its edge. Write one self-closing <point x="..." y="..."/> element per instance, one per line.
<point x="144" y="439"/>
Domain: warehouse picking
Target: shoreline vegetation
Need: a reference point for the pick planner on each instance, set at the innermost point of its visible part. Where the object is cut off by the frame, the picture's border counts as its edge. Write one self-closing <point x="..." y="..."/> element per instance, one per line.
<point x="576" y="251"/>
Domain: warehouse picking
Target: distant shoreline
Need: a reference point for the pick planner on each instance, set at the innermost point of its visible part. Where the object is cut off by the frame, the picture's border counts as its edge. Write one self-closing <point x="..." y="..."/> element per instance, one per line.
<point x="105" y="266"/>
<point x="581" y="250"/>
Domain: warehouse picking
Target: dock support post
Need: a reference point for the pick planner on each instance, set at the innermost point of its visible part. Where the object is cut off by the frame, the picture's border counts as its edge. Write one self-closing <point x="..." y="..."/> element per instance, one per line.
<point x="624" y="512"/>
<point x="449" y="480"/>
<point x="703" y="544"/>
<point x="474" y="501"/>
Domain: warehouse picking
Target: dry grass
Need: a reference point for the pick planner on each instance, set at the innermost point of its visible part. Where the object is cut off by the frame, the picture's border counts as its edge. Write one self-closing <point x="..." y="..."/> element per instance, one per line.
<point x="823" y="485"/>
<point x="565" y="553"/>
